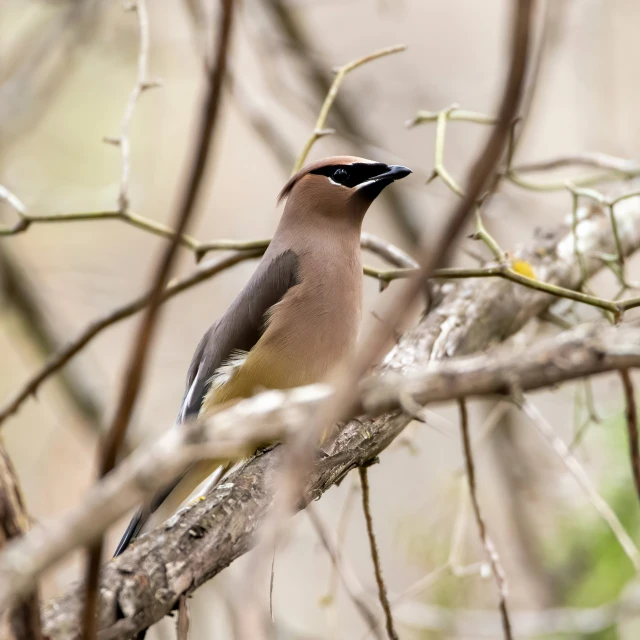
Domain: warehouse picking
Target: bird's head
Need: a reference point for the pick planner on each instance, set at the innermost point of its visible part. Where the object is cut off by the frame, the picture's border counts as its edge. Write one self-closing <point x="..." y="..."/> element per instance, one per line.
<point x="340" y="186"/>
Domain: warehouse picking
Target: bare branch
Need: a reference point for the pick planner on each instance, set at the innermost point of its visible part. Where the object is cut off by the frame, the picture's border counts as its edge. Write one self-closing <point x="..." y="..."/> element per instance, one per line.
<point x="205" y="554"/>
<point x="13" y="200"/>
<point x="321" y="124"/>
<point x="136" y="364"/>
<point x="487" y="543"/>
<point x="631" y="413"/>
<point x="141" y="85"/>
<point x="260" y="418"/>
<point x="593" y="159"/>
<point x="375" y="556"/>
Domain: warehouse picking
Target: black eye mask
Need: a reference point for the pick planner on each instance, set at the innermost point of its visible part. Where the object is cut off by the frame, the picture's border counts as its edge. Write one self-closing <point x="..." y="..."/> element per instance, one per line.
<point x="351" y="175"/>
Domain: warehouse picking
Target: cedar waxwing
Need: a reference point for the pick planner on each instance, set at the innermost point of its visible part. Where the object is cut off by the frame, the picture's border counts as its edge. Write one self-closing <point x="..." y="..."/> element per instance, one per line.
<point x="299" y="314"/>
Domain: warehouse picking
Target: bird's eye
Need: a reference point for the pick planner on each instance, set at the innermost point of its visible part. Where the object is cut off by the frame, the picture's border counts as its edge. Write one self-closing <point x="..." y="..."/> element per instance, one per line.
<point x="340" y="175"/>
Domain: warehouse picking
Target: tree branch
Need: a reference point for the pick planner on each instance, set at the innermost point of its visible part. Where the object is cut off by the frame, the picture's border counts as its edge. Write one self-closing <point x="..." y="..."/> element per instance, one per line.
<point x="204" y="538"/>
<point x="136" y="364"/>
<point x="631" y="414"/>
<point x="375" y="555"/>
<point x="487" y="542"/>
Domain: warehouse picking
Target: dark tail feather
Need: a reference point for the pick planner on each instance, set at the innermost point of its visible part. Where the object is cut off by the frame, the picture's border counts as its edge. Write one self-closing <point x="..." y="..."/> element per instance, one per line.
<point x="132" y="531"/>
<point x="142" y="515"/>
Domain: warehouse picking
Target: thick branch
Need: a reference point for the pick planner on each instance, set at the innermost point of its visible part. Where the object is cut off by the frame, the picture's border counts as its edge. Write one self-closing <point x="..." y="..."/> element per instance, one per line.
<point x="178" y="557"/>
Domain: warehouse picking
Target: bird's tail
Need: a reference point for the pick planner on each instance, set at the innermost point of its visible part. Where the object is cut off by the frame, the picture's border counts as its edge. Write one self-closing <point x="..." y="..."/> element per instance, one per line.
<point x="167" y="501"/>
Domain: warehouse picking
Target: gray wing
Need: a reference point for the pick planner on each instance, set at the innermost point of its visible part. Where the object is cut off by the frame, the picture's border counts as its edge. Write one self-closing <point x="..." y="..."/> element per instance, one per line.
<point x="239" y="328"/>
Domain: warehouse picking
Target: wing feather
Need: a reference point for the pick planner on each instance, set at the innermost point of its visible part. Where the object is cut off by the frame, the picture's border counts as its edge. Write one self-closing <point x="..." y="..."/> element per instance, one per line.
<point x="237" y="331"/>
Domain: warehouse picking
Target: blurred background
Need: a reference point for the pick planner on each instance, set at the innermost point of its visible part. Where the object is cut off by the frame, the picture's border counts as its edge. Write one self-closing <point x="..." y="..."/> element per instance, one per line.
<point x="66" y="70"/>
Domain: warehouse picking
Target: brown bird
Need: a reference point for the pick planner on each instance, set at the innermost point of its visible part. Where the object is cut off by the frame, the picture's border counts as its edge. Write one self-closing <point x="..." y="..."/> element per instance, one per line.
<point x="299" y="315"/>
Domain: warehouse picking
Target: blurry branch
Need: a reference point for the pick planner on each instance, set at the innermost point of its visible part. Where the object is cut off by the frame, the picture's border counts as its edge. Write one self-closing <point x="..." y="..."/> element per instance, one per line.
<point x="387" y="251"/>
<point x="141" y="85"/>
<point x="136" y="364"/>
<point x="580" y="475"/>
<point x="375" y="555"/>
<point x="320" y="128"/>
<point x="487" y="542"/>
<point x="195" y="545"/>
<point x="347" y="577"/>
<point x="593" y="159"/>
<point x="617" y="168"/>
<point x="22" y="620"/>
<point x="617" y="263"/>
<point x="631" y="413"/>
<point x="520" y="480"/>
<point x="13" y="200"/>
<point x="591" y="351"/>
<point x="203" y="272"/>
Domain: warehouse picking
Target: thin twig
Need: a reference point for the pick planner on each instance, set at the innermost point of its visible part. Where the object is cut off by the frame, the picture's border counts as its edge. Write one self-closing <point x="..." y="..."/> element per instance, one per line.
<point x="594" y="159"/>
<point x="631" y="413"/>
<point x="321" y="123"/>
<point x="615" y="168"/>
<point x="272" y="579"/>
<point x="616" y="307"/>
<point x="141" y="85"/>
<point x="136" y="365"/>
<point x="487" y="543"/>
<point x="580" y="475"/>
<point x="13" y="200"/>
<point x="349" y="581"/>
<point x="347" y="113"/>
<point x="375" y="556"/>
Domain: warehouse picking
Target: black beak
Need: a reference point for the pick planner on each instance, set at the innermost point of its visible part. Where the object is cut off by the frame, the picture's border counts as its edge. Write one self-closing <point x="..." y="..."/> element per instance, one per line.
<point x="394" y="172"/>
<point x="372" y="188"/>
